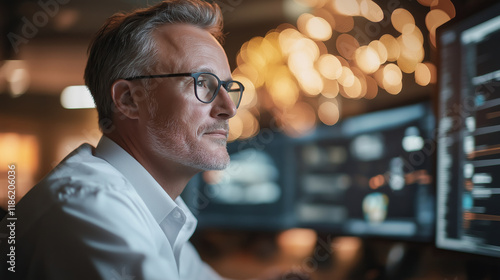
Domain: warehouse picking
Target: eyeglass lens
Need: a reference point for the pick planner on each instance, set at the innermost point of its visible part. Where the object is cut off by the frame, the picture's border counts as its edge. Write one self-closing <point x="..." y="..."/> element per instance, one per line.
<point x="207" y="84"/>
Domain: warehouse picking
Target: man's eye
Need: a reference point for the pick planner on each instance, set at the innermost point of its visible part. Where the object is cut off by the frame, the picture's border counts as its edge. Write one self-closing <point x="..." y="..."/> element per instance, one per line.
<point x="202" y="83"/>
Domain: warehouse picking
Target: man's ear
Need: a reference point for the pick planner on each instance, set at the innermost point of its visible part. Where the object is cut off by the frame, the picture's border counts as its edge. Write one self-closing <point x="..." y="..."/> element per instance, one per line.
<point x="123" y="97"/>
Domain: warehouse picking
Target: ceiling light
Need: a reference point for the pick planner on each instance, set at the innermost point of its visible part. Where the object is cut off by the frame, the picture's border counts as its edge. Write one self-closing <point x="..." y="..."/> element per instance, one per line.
<point x="77" y="97"/>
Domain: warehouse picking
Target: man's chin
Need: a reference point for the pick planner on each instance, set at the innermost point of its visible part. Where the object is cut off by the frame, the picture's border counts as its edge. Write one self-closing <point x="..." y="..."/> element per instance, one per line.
<point x="217" y="159"/>
<point x="219" y="165"/>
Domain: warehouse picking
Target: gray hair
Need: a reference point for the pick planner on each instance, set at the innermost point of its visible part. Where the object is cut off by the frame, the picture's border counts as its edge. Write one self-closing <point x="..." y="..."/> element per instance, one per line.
<point x="125" y="46"/>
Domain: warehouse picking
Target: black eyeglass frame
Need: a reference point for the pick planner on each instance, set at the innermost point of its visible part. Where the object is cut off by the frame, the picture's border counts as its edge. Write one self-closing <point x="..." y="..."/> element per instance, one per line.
<point x="195" y="76"/>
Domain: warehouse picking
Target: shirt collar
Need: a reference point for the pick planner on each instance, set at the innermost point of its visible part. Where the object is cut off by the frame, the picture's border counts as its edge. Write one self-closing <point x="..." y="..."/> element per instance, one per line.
<point x="159" y="203"/>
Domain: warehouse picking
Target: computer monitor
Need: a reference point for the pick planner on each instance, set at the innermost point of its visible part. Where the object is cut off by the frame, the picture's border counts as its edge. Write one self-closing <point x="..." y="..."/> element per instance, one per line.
<point x="468" y="153"/>
<point x="370" y="176"/>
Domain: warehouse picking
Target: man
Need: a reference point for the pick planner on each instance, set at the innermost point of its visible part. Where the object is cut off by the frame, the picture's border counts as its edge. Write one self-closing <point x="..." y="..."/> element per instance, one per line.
<point x="163" y="90"/>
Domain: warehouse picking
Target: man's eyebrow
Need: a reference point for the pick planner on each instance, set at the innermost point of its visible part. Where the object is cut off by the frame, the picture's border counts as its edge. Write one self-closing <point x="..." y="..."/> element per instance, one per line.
<point x="210" y="70"/>
<point x="204" y="69"/>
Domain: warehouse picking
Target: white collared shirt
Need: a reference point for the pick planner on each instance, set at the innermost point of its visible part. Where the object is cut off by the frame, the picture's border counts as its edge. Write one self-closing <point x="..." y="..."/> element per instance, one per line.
<point x="100" y="215"/>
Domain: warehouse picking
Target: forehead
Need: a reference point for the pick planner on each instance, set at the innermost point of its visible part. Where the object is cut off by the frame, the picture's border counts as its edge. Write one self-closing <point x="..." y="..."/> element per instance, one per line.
<point x="187" y="48"/>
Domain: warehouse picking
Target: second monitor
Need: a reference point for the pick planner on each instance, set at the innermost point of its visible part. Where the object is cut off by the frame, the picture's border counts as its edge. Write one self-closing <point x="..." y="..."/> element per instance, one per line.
<point x="370" y="175"/>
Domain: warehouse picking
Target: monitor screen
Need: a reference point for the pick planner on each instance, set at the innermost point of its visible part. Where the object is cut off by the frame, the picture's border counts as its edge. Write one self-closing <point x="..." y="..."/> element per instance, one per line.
<point x="468" y="157"/>
<point x="370" y="175"/>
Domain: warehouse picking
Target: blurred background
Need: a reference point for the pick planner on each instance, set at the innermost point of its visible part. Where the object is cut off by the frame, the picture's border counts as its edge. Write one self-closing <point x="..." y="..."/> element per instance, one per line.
<point x="312" y="69"/>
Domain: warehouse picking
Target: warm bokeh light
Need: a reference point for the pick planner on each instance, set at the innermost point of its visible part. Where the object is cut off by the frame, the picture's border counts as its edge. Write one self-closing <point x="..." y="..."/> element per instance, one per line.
<point x="400" y="17"/>
<point x="300" y="60"/>
<point x="329" y="66"/>
<point x="318" y="29"/>
<point x="241" y="56"/>
<point x="22" y="152"/>
<point x="412" y="37"/>
<point x="426" y="2"/>
<point x="380" y="49"/>
<point x="270" y="47"/>
<point x="18" y="149"/>
<point x="343" y="61"/>
<point x="282" y="88"/>
<point x="343" y="23"/>
<point x="407" y="64"/>
<point x="297" y="242"/>
<point x="422" y="74"/>
<point x="311" y="82"/>
<point x="355" y="90"/>
<point x="253" y="54"/>
<point x="392" y="47"/>
<point x="444" y="5"/>
<point x="328" y="112"/>
<point x="330" y="88"/>
<point x="361" y="76"/>
<point x="306" y="48"/>
<point x="16" y="74"/>
<point x="287" y="39"/>
<point x="409" y="59"/>
<point x="346" y="249"/>
<point x="379" y="77"/>
<point x="309" y="3"/>
<point x="235" y="127"/>
<point x="300" y="75"/>
<point x="252" y="74"/>
<point x="376" y="181"/>
<point x="433" y="71"/>
<point x="371" y="88"/>
<point x="299" y="120"/>
<point x="249" y="98"/>
<point x="346" y="79"/>
<point x="367" y="59"/>
<point x="347" y="45"/>
<point x="250" y="124"/>
<point x="347" y="8"/>
<point x="213" y="177"/>
<point x="322" y="48"/>
<point x="302" y="22"/>
<point x="433" y="20"/>
<point x="394" y="89"/>
<point x="326" y="15"/>
<point x="19" y="81"/>
<point x="371" y="10"/>
<point x="392" y="75"/>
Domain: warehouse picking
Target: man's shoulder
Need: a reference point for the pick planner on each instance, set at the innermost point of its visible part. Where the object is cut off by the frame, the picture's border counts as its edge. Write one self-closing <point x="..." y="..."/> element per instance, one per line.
<point x="81" y="171"/>
<point x="78" y="178"/>
<point x="81" y="185"/>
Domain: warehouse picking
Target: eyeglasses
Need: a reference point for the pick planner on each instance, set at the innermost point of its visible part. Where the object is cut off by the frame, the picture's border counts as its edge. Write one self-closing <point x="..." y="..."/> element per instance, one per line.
<point x="206" y="85"/>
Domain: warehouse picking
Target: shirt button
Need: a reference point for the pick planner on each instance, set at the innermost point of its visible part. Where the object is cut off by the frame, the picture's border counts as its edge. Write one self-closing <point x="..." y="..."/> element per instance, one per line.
<point x="176" y="214"/>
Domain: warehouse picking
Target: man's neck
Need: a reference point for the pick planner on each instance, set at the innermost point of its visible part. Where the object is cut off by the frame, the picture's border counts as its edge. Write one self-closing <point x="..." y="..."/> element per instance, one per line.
<point x="171" y="176"/>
